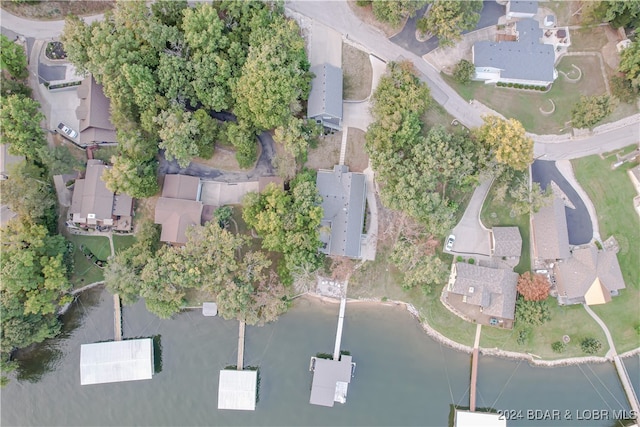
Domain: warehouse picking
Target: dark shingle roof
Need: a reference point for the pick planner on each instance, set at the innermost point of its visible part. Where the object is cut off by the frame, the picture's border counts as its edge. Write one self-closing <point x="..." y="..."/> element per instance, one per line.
<point x="550" y="231"/>
<point x="525" y="59"/>
<point x="343" y="202"/>
<point x="507" y="241"/>
<point x="493" y="289"/>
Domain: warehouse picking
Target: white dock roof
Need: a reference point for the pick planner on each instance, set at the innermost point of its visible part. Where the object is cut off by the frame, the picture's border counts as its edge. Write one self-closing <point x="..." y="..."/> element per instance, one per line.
<point x="237" y="390"/>
<point x="115" y="361"/>
<point x="478" y="419"/>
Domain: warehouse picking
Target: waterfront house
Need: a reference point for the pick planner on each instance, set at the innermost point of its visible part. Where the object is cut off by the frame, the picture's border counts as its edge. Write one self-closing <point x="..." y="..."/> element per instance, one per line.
<point x="590" y="276"/>
<point x="550" y="233"/>
<point x="343" y="201"/>
<point x="93" y="205"/>
<point x="325" y="99"/>
<point x="484" y="295"/>
<point x="178" y="208"/>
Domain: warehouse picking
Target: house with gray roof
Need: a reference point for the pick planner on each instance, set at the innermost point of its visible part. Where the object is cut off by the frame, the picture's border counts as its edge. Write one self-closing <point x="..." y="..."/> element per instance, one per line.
<point x="331" y="380"/>
<point x="94" y="114"/>
<point x="525" y="61"/>
<point x="550" y="233"/>
<point x="590" y="276"/>
<point x="493" y="290"/>
<point x="94" y="205"/>
<point x="506" y="242"/>
<point x="179" y="207"/>
<point x="343" y="201"/>
<point x="325" y="99"/>
<point x="521" y="9"/>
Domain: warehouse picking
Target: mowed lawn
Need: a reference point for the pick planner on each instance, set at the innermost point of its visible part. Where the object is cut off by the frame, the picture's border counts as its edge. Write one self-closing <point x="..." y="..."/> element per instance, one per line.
<point x="612" y="194"/>
<point x="525" y="105"/>
<point x="123" y="242"/>
<point x="85" y="271"/>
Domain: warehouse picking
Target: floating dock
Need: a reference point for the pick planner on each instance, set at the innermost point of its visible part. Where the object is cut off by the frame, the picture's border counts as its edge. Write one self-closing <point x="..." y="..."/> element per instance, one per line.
<point x="117" y="318"/>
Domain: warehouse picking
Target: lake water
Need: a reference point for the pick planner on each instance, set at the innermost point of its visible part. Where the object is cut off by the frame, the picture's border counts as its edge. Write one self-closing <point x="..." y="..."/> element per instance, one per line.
<point x="402" y="378"/>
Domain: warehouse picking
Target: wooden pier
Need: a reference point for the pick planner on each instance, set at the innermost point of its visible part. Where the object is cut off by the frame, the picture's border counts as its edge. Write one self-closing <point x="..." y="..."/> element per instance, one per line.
<point x="336" y="349"/>
<point x="241" y="346"/>
<point x="117" y="318"/>
<point x="474" y="370"/>
<point x="626" y="384"/>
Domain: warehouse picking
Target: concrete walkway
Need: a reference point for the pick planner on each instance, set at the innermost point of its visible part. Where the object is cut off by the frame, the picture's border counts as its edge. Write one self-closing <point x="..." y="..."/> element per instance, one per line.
<point x="369" y="243"/>
<point x="620" y="368"/>
<point x="472" y="238"/>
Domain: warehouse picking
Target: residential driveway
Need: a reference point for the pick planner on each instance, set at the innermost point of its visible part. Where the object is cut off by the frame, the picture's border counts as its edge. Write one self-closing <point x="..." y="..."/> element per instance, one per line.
<point x="221" y="193"/>
<point x="578" y="219"/>
<point x="491" y="12"/>
<point x="324" y="44"/>
<point x="356" y="115"/>
<point x="471" y="236"/>
<point x="263" y="166"/>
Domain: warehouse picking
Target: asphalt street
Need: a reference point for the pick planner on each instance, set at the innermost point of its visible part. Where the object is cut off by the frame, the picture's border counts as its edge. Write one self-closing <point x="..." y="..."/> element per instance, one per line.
<point x="578" y="219"/>
<point x="406" y="38"/>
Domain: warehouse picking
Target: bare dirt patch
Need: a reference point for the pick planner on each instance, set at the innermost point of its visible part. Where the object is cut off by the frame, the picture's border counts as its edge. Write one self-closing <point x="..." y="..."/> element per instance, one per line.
<point x="326" y="154"/>
<point x="224" y="158"/>
<point x="365" y="13"/>
<point x="356" y="156"/>
<point x="358" y="73"/>
<point x="55" y="10"/>
<point x="588" y="39"/>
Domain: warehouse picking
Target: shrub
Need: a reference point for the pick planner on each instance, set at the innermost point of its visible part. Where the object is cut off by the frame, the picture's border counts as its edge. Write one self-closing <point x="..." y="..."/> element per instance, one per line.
<point x="591" y="110"/>
<point x="471" y="261"/>
<point x="598" y="245"/>
<point x="363" y="3"/>
<point x="624" y="90"/>
<point x="464" y="71"/>
<point x="591" y="345"/>
<point x="459" y="258"/>
<point x="509" y="84"/>
<point x="523" y="336"/>
<point x="533" y="313"/>
<point x="558" y="347"/>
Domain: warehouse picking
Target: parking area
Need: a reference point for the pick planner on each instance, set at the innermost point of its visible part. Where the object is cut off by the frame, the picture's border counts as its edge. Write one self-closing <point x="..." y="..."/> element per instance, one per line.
<point x="325" y="45"/>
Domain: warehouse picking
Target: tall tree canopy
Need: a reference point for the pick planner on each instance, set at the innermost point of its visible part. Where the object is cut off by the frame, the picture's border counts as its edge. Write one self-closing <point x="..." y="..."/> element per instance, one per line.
<point x="630" y="63"/>
<point x="506" y="141"/>
<point x="394" y="12"/>
<point x="288" y="222"/>
<point x="12" y="58"/>
<point x="20" y="119"/>
<point x="447" y="19"/>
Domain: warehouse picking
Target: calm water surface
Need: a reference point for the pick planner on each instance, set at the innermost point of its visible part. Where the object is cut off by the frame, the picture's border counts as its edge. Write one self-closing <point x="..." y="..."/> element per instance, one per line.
<point x="402" y="377"/>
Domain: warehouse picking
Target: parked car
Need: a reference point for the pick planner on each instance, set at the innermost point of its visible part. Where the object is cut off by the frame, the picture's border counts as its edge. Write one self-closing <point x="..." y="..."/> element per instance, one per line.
<point x="67" y="130"/>
<point x="450" y="241"/>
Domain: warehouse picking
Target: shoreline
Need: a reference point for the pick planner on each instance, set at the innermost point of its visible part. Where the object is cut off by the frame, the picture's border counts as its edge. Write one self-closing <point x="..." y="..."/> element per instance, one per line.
<point x="494" y="352"/>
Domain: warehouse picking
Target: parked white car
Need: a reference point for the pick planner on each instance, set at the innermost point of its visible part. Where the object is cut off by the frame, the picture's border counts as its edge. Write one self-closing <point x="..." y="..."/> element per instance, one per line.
<point x="450" y="241"/>
<point x="67" y="130"/>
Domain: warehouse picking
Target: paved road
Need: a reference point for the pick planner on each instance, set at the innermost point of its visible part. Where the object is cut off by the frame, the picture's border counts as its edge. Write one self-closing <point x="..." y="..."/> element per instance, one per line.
<point x="471" y="237"/>
<point x="340" y="17"/>
<point x="406" y="38"/>
<point x="578" y="219"/>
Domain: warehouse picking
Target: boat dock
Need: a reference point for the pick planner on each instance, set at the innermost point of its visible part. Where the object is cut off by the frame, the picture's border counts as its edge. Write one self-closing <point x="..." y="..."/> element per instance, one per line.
<point x="240" y="363"/>
<point x="336" y="349"/>
<point x="117" y="318"/>
<point x="626" y="384"/>
<point x="474" y="370"/>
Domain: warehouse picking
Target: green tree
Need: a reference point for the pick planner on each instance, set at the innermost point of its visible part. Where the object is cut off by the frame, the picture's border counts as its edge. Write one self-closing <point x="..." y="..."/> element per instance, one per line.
<point x="419" y="268"/>
<point x="464" y="71"/>
<point x="527" y="201"/>
<point x="12" y="58"/>
<point x="532" y="313"/>
<point x="59" y="160"/>
<point x="630" y="63"/>
<point x="591" y="110"/>
<point x="132" y="177"/>
<point x="506" y="141"/>
<point x="8" y="87"/>
<point x="20" y="126"/>
<point x="288" y="222"/>
<point x="275" y="76"/>
<point x="447" y="19"/>
<point x="76" y="38"/>
<point x="169" y="12"/>
<point x="619" y="13"/>
<point x="178" y="133"/>
<point x="394" y="12"/>
<point x="208" y="130"/>
<point x="296" y="136"/>
<point x="558" y="347"/>
<point x="590" y="345"/>
<point x="243" y="138"/>
<point x="28" y="192"/>
<point x="624" y="90"/>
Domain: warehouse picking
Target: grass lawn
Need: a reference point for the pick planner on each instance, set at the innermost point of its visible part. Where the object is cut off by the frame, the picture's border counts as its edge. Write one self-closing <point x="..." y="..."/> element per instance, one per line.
<point x="565" y="320"/>
<point x="499" y="214"/>
<point x="357" y="72"/>
<point x="123" y="242"/>
<point x="85" y="271"/>
<point x="612" y="193"/>
<point x="525" y="105"/>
